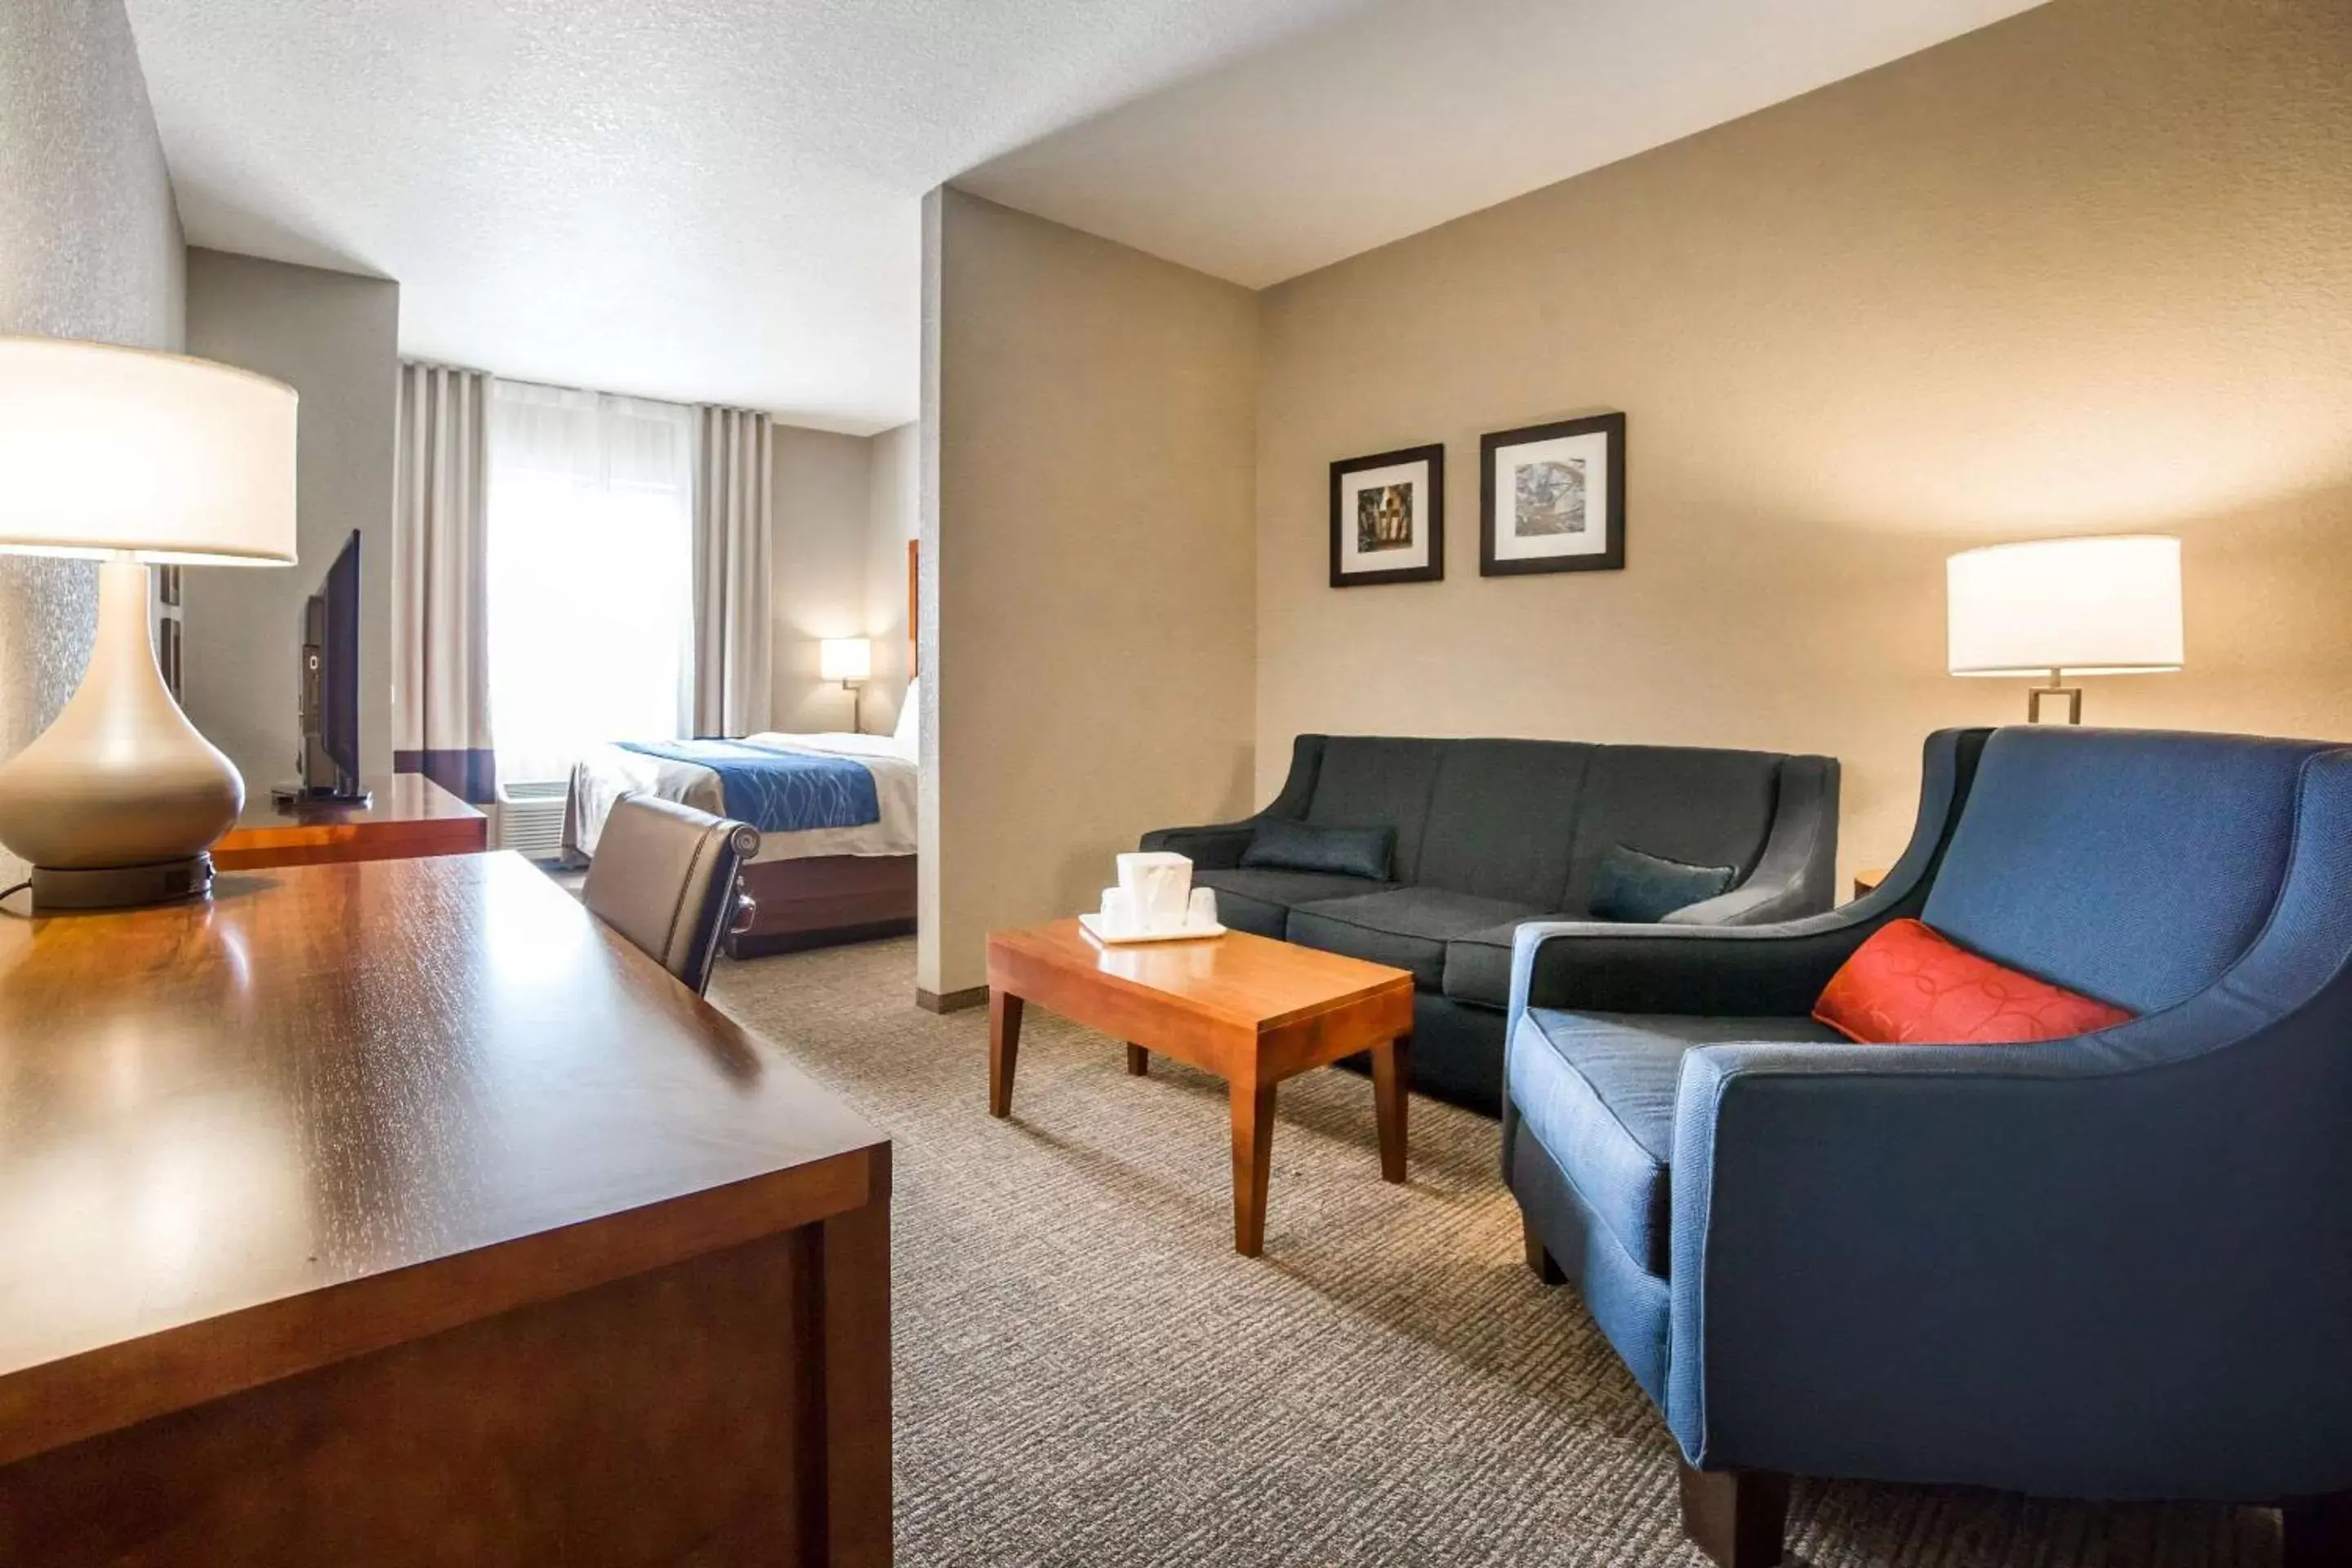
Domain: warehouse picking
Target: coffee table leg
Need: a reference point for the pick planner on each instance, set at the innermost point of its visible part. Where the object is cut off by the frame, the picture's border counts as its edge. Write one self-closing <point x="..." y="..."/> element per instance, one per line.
<point x="1003" y="1049"/>
<point x="1253" y="1160"/>
<point x="1391" y="1081"/>
<point x="1139" y="1060"/>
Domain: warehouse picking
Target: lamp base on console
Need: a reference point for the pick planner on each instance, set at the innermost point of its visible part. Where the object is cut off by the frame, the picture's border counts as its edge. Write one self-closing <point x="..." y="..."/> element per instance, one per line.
<point x="120" y="886"/>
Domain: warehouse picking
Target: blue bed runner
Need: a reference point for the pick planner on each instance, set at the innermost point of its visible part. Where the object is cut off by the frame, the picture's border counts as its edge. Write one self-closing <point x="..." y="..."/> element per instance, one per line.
<point x="777" y="791"/>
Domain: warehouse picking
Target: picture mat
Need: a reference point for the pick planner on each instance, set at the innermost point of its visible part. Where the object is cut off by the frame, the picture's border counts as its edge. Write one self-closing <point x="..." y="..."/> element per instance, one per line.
<point x="1592" y="447"/>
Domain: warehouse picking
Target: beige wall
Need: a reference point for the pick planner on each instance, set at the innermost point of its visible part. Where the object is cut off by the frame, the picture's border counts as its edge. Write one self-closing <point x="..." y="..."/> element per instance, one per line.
<point x="334" y="339"/>
<point x="1086" y="527"/>
<point x="817" y="554"/>
<point x="2087" y="270"/>
<point x="894" y="518"/>
<point x="90" y="248"/>
<point x="844" y="507"/>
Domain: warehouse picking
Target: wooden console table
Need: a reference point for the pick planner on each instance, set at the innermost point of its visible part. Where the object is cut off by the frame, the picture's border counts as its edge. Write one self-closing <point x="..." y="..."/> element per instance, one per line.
<point x="400" y="1213"/>
<point x="410" y="815"/>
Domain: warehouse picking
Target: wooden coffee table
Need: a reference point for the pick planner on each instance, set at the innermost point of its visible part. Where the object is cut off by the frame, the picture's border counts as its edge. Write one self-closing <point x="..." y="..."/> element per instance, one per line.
<point x="1250" y="1010"/>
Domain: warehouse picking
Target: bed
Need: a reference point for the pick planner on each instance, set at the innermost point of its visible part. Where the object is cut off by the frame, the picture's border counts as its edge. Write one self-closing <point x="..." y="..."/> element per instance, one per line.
<point x="835" y="814"/>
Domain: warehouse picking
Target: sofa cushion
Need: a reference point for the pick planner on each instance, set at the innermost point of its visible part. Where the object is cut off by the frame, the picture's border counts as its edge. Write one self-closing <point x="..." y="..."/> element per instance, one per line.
<point x="1375" y="781"/>
<point x="1597" y="1090"/>
<point x="1684" y="803"/>
<point x="2129" y="866"/>
<point x="1478" y="966"/>
<point x="1502" y="819"/>
<point x="1643" y="889"/>
<point x="1307" y="847"/>
<point x="1405" y="928"/>
<point x="1260" y="901"/>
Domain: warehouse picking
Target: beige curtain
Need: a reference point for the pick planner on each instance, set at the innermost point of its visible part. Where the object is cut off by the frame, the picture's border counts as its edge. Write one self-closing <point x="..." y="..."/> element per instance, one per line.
<point x="440" y="647"/>
<point x="732" y="639"/>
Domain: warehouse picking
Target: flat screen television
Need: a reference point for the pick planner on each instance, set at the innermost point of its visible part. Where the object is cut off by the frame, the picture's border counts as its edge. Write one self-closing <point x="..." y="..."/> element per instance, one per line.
<point x="331" y="688"/>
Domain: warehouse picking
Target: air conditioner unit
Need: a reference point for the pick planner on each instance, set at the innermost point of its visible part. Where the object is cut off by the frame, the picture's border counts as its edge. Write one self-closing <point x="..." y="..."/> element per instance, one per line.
<point x="530" y="818"/>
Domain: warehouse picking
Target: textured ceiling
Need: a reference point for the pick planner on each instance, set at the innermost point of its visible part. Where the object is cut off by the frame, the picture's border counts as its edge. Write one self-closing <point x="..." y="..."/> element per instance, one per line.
<point x="719" y="200"/>
<point x="1405" y="114"/>
<point x="714" y="200"/>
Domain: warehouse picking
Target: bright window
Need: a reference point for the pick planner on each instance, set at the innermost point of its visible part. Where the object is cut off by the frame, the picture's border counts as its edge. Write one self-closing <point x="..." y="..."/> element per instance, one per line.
<point x="591" y="575"/>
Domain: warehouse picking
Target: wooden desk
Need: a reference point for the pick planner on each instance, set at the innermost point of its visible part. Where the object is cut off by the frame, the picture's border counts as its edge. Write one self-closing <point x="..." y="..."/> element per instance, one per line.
<point x="398" y="1213"/>
<point x="1252" y="1011"/>
<point x="410" y="815"/>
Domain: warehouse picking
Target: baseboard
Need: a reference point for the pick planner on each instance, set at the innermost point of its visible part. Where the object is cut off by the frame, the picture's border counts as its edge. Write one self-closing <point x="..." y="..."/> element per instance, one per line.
<point x="951" y="1002"/>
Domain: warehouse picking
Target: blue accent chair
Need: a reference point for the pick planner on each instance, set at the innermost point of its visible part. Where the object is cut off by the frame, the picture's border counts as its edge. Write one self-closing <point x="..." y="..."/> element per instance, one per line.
<point x="2115" y="1267"/>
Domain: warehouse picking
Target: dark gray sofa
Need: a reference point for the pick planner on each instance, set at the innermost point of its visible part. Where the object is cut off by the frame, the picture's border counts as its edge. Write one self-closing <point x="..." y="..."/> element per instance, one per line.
<point x="1493" y="833"/>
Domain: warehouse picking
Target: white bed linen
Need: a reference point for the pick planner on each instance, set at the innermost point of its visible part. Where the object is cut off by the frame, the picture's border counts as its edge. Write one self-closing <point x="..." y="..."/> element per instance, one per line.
<point x="610" y="772"/>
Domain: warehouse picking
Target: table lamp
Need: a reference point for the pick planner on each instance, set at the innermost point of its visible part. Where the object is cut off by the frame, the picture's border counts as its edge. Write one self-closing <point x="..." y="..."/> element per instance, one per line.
<point x="849" y="661"/>
<point x="125" y="457"/>
<point x="2060" y="607"/>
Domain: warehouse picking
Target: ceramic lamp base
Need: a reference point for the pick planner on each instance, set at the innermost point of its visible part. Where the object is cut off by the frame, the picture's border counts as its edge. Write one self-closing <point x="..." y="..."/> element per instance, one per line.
<point x="120" y="794"/>
<point x="120" y="886"/>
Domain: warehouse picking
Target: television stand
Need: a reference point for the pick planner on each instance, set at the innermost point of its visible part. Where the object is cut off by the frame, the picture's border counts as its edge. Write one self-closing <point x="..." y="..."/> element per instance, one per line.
<point x="406" y="814"/>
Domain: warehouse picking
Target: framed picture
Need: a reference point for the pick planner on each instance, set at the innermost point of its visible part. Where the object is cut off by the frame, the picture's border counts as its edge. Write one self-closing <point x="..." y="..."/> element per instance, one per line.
<point x="1387" y="517"/>
<point x="1552" y="498"/>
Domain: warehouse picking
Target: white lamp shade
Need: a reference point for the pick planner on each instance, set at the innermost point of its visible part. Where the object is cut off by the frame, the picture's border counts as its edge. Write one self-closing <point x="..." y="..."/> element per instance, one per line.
<point x="845" y="658"/>
<point x="105" y="448"/>
<point x="2109" y="605"/>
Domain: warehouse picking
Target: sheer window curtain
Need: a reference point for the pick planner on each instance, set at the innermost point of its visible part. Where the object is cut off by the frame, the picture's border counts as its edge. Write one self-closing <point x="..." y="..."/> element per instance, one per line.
<point x="590" y="574"/>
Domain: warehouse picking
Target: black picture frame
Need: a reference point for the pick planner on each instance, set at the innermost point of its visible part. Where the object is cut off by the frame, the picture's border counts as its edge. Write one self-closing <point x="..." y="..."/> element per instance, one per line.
<point x="1433" y="515"/>
<point x="1611" y="557"/>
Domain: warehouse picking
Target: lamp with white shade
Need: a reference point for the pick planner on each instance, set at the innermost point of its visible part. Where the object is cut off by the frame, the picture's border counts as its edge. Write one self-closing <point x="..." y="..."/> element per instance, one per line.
<point x="849" y="661"/>
<point x="127" y="457"/>
<point x="2060" y="607"/>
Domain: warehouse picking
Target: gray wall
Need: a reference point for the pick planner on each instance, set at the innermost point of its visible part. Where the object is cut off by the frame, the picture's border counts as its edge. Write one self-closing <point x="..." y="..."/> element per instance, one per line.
<point x="90" y="248"/>
<point x="334" y="339"/>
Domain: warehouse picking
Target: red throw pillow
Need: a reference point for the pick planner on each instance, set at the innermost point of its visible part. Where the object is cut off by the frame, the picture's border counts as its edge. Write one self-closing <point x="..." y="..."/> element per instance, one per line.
<point x="1907" y="985"/>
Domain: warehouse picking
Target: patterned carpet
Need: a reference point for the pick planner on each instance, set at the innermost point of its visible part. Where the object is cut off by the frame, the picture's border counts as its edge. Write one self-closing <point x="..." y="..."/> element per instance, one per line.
<point x="1087" y="1374"/>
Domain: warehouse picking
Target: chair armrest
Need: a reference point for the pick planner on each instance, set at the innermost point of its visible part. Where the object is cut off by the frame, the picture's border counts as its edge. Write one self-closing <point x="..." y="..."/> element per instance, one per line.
<point x="1733" y="971"/>
<point x="2113" y="1266"/>
<point x="1216" y="846"/>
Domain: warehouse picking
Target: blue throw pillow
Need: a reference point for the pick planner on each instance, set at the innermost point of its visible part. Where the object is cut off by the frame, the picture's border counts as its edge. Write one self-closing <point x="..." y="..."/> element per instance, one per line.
<point x="1645" y="888"/>
<point x="1302" y="847"/>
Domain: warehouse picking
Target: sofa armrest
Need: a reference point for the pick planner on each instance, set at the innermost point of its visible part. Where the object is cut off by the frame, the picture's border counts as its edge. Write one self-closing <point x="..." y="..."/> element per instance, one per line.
<point x="1796" y="875"/>
<point x="1753" y="902"/>
<point x="2112" y="1265"/>
<point x="1213" y="847"/>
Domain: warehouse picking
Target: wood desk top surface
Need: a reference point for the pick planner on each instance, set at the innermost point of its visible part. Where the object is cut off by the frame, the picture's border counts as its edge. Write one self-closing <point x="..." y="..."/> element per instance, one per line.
<point x="1236" y="978"/>
<point x="341" y="1107"/>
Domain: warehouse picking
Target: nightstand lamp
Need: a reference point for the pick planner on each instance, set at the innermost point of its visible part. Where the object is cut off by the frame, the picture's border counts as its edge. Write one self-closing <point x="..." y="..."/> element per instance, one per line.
<point x="2062" y="608"/>
<point x="124" y="457"/>
<point x="849" y="661"/>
